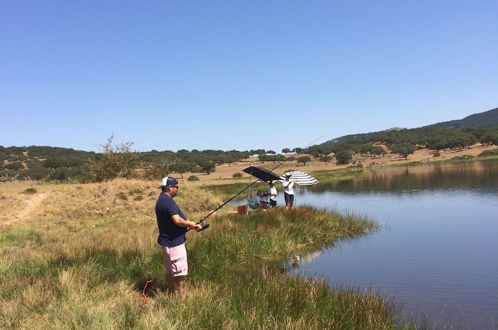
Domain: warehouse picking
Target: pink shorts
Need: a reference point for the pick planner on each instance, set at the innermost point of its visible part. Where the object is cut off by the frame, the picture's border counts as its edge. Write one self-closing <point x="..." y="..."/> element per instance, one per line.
<point x="175" y="260"/>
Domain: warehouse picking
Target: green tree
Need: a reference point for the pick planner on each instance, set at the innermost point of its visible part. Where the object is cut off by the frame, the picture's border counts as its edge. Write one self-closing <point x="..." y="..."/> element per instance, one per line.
<point x="489" y="138"/>
<point x="378" y="151"/>
<point x="304" y="160"/>
<point x="157" y="170"/>
<point x="16" y="166"/>
<point x="404" y="149"/>
<point x="207" y="166"/>
<point x="115" y="161"/>
<point x="325" y="159"/>
<point x="54" y="162"/>
<point x="286" y="151"/>
<point x="343" y="157"/>
<point x="182" y="166"/>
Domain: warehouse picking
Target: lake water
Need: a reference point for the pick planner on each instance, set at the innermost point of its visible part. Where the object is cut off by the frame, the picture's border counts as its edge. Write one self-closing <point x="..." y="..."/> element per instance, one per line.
<point x="437" y="251"/>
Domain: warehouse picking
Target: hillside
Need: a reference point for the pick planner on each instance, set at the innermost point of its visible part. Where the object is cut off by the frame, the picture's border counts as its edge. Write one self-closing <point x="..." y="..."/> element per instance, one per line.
<point x="483" y="120"/>
<point x="478" y="120"/>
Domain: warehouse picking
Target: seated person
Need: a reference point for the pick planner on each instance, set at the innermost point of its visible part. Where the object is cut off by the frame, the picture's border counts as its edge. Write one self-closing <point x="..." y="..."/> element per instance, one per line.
<point x="258" y="201"/>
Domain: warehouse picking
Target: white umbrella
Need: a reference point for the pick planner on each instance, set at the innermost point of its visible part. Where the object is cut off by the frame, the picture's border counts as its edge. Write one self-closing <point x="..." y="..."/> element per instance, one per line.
<point x="301" y="178"/>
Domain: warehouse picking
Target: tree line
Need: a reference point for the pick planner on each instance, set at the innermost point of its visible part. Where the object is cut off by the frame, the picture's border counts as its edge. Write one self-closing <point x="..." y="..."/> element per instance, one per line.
<point x="119" y="160"/>
<point x="115" y="160"/>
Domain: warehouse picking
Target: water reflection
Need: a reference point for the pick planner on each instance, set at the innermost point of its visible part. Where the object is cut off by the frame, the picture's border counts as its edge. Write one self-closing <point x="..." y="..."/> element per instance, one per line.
<point x="479" y="174"/>
<point x="437" y="251"/>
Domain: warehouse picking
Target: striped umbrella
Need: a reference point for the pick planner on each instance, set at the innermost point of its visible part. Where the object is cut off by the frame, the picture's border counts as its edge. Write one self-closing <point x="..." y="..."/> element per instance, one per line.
<point x="301" y="178"/>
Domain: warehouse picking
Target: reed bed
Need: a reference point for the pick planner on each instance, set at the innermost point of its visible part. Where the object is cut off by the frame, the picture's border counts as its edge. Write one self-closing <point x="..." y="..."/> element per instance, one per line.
<point x="73" y="263"/>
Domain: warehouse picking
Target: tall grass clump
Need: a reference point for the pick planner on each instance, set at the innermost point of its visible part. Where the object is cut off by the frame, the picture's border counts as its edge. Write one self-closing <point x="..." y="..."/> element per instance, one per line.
<point x="71" y="267"/>
<point x="30" y="191"/>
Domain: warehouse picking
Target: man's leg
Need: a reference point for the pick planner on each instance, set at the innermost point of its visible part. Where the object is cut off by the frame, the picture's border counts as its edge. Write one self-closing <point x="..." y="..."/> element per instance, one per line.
<point x="176" y="268"/>
<point x="175" y="285"/>
<point x="179" y="284"/>
<point x="170" y="283"/>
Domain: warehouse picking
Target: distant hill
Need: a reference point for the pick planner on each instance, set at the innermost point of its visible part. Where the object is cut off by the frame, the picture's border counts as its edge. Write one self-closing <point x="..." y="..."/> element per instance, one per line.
<point x="478" y="120"/>
<point x="482" y="119"/>
<point x="356" y="137"/>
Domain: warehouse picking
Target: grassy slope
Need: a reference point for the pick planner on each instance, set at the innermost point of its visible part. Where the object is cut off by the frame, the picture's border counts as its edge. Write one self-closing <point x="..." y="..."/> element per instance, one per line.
<point x="80" y="260"/>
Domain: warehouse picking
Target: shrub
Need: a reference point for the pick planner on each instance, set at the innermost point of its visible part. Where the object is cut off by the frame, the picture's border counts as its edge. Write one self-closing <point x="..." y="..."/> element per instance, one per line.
<point x="59" y="174"/>
<point x="30" y="191"/>
<point x="436" y="154"/>
<point x="121" y="195"/>
<point x="138" y="198"/>
<point x="37" y="172"/>
<point x="136" y="191"/>
<point x="237" y="175"/>
<point x="343" y="157"/>
<point x="193" y="178"/>
<point x="489" y="153"/>
<point x="14" y="166"/>
<point x="325" y="159"/>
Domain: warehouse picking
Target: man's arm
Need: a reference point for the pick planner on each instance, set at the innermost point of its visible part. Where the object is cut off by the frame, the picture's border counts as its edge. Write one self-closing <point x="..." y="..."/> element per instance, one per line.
<point x="180" y="222"/>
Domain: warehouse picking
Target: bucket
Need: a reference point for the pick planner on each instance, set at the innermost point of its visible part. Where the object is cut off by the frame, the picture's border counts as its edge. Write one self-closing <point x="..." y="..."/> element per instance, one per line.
<point x="241" y="209"/>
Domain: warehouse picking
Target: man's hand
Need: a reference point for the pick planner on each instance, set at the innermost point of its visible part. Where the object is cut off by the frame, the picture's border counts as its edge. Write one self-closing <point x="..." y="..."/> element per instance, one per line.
<point x="195" y="226"/>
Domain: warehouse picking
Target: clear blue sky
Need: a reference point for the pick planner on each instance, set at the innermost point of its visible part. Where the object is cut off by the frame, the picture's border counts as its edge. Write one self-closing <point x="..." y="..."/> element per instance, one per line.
<point x="239" y="74"/>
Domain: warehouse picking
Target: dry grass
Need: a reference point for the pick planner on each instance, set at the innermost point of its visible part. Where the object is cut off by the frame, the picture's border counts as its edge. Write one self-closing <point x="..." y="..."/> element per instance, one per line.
<point x="80" y="258"/>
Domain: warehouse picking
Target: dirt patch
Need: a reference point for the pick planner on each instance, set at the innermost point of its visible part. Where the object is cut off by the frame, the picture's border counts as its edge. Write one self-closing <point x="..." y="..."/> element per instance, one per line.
<point x="23" y="209"/>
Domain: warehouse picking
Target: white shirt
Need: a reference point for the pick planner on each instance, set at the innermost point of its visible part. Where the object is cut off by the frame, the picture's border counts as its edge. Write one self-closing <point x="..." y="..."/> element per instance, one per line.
<point x="273" y="193"/>
<point x="289" y="186"/>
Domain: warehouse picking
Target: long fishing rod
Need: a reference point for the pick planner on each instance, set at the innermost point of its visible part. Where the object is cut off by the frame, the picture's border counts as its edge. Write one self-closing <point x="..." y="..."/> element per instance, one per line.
<point x="206" y="225"/>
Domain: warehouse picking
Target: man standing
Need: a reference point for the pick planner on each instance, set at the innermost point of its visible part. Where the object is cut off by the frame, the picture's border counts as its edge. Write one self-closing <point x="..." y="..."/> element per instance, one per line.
<point x="173" y="225"/>
<point x="288" y="185"/>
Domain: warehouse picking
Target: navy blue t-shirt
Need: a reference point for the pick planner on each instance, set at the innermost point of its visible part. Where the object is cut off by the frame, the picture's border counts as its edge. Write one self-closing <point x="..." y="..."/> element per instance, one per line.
<point x="169" y="234"/>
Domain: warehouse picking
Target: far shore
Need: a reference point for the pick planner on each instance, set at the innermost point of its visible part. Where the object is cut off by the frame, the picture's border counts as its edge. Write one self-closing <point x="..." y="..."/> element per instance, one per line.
<point x="224" y="173"/>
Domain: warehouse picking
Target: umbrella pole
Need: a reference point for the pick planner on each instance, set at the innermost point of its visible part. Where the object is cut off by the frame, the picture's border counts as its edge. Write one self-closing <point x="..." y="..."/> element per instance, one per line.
<point x="247" y="201"/>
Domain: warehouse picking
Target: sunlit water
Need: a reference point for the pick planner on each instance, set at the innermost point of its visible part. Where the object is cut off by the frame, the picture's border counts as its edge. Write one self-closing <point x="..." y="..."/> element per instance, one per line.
<point x="437" y="251"/>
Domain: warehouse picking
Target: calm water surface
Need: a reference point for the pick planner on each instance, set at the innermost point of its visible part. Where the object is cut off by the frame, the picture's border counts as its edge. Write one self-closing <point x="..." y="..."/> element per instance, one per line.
<point x="437" y="251"/>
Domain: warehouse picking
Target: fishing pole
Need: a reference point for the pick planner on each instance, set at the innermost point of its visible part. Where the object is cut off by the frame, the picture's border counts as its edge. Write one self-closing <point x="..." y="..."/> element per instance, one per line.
<point x="206" y="225"/>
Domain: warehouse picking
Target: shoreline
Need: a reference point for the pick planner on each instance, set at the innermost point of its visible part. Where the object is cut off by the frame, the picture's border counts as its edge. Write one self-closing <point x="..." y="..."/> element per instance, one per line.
<point x="224" y="173"/>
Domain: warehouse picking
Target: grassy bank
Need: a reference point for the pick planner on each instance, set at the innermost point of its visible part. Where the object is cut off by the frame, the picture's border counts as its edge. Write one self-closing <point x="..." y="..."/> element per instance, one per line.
<point x="82" y="257"/>
<point x="327" y="176"/>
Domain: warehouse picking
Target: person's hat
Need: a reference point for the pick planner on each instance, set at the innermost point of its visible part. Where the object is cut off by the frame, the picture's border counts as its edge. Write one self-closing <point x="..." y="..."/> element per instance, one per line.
<point x="288" y="174"/>
<point x="168" y="181"/>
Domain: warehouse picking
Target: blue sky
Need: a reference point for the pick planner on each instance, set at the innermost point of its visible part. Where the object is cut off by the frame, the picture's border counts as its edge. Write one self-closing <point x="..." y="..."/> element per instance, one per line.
<point x="239" y="74"/>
